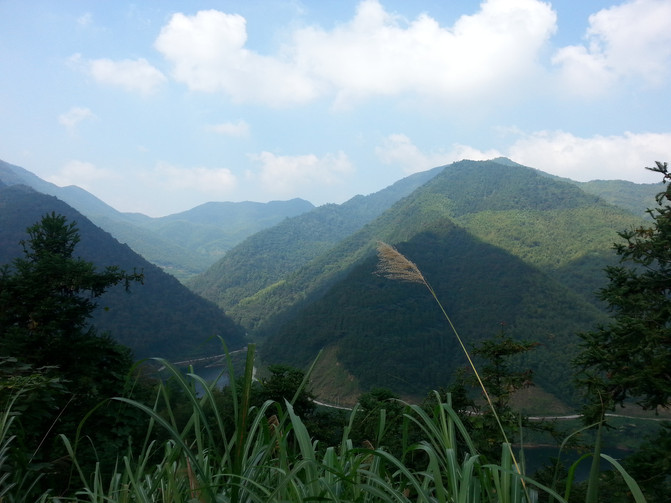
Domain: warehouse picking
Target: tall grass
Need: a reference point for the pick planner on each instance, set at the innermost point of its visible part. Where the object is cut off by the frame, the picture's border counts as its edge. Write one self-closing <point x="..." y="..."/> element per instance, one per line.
<point x="394" y="265"/>
<point x="268" y="455"/>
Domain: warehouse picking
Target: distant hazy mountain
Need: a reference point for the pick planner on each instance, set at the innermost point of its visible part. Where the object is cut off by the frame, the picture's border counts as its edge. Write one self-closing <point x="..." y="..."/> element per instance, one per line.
<point x="78" y="198"/>
<point x="183" y="244"/>
<point x="636" y="197"/>
<point x="160" y="318"/>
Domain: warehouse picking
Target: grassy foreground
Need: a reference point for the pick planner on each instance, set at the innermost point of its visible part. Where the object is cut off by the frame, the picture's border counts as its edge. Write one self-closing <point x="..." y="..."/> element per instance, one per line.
<point x="268" y="455"/>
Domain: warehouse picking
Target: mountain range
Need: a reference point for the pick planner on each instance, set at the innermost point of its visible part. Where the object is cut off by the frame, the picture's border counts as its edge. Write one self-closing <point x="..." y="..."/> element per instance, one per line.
<point x="183" y="244"/>
<point x="505" y="247"/>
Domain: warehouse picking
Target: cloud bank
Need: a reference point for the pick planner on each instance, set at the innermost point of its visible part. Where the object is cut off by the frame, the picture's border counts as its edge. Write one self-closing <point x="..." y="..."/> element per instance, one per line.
<point x="376" y="53"/>
<point x="379" y="53"/>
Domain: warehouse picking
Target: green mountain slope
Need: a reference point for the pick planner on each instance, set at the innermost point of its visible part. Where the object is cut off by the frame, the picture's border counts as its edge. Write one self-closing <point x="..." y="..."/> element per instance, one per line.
<point x="169" y="256"/>
<point x="512" y="243"/>
<point x="160" y="318"/>
<point x="548" y="222"/>
<point x="208" y="231"/>
<point x="392" y="334"/>
<point x="636" y="197"/>
<point x="268" y="256"/>
<point x="516" y="208"/>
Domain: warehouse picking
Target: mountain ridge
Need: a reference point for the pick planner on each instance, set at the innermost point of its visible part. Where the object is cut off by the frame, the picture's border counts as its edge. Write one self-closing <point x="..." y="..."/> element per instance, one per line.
<point x="543" y="240"/>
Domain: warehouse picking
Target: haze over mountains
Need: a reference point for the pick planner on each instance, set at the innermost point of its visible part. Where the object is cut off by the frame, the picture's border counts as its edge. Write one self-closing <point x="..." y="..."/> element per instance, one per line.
<point x="184" y="243"/>
<point x="504" y="246"/>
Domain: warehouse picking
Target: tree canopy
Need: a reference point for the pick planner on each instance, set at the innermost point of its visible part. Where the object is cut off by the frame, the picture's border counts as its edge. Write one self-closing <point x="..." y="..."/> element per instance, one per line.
<point x="46" y="299"/>
<point x="631" y="356"/>
<point x="48" y="295"/>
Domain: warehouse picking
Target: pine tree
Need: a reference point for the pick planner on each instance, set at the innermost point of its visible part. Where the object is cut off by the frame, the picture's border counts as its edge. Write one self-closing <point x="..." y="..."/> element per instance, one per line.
<point x="631" y="357"/>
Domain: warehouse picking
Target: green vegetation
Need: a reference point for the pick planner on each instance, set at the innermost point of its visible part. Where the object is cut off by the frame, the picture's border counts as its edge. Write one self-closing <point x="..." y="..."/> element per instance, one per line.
<point x="298" y="292"/>
<point x="635" y="197"/>
<point x="631" y="356"/>
<point x="197" y="238"/>
<point x="53" y="361"/>
<point x="233" y="451"/>
<point x="370" y="319"/>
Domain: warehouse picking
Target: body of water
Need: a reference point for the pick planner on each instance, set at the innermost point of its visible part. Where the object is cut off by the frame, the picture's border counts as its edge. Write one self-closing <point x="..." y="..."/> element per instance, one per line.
<point x="212" y="374"/>
<point x="538" y="457"/>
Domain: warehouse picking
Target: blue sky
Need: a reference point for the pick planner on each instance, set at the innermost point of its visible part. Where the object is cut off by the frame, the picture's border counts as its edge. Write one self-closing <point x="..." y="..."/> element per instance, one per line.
<point x="157" y="107"/>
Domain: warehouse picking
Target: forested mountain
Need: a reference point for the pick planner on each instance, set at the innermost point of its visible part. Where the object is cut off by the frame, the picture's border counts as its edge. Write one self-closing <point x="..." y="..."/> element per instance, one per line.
<point x="515" y="245"/>
<point x="392" y="334"/>
<point x="269" y="255"/>
<point x="159" y="318"/>
<point x="546" y="222"/>
<point x="183" y="244"/>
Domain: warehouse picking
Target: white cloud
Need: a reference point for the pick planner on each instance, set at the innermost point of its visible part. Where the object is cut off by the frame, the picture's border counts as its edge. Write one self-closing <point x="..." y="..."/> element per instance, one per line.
<point x="74" y="116"/>
<point x="211" y="181"/>
<point x="628" y="40"/>
<point x="398" y="149"/>
<point x="376" y="53"/>
<point x="207" y="51"/>
<point x="556" y="152"/>
<point x="596" y="157"/>
<point x="82" y="174"/>
<point x="132" y="75"/>
<point x="289" y="176"/>
<point x="238" y="129"/>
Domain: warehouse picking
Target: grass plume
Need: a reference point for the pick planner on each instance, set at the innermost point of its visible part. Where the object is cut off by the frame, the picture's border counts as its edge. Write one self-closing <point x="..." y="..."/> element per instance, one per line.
<point x="393" y="265"/>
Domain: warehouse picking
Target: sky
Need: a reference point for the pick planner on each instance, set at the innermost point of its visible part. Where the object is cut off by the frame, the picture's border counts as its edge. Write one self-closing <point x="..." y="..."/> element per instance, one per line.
<point x="157" y="107"/>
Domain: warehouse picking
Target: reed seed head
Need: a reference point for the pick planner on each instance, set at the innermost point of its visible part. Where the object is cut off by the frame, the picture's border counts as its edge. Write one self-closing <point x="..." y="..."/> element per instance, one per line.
<point x="394" y="265"/>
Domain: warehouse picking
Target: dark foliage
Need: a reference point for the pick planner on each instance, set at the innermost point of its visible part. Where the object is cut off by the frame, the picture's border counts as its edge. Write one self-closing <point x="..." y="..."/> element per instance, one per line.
<point x="161" y="319"/>
<point x="46" y="299"/>
<point x="391" y="334"/>
<point x="631" y="356"/>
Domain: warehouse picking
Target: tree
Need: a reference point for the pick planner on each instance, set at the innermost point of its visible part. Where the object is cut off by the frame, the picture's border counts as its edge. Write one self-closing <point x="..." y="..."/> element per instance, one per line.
<point x="497" y="362"/>
<point x="631" y="357"/>
<point x="282" y="384"/>
<point x="47" y="297"/>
